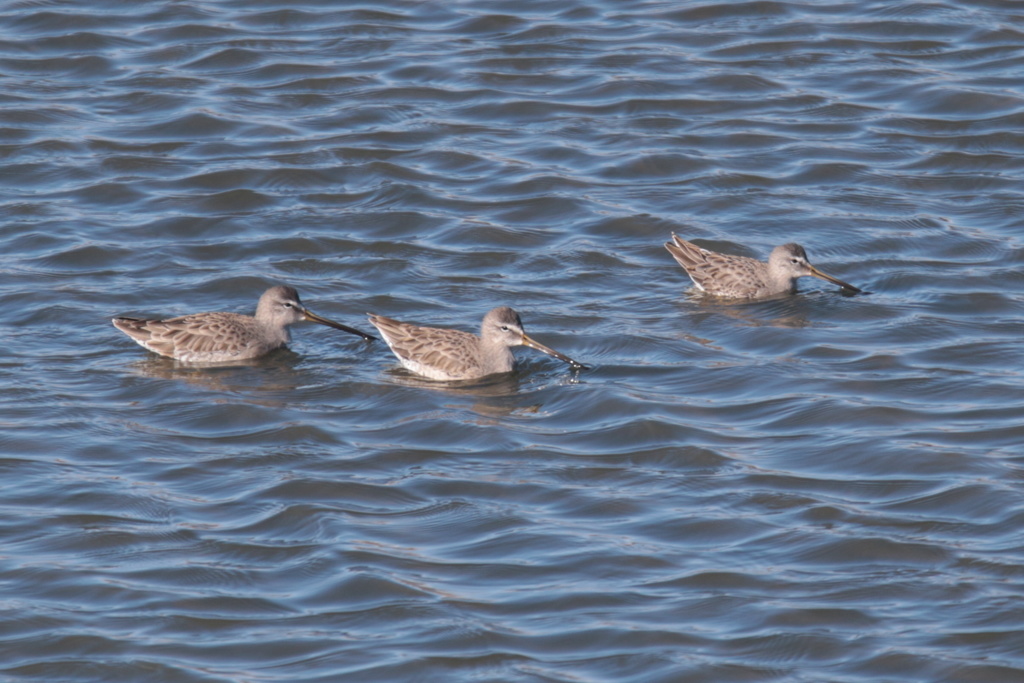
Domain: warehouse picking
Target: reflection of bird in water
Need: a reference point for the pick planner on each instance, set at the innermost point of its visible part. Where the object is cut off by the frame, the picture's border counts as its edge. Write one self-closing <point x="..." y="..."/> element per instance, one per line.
<point x="269" y="380"/>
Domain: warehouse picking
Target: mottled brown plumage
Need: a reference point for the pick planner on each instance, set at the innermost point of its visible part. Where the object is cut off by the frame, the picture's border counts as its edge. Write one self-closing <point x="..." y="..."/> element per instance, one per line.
<point x="740" y="277"/>
<point x="225" y="337"/>
<point x="445" y="354"/>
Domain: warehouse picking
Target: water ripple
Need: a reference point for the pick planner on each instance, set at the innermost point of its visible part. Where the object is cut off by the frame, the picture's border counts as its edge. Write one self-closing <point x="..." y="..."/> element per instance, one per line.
<point x="813" y="487"/>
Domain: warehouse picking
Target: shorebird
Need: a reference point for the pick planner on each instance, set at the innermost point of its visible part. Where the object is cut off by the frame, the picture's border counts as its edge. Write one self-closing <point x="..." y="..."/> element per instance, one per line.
<point x="449" y="355"/>
<point x="223" y="337"/>
<point x="746" y="278"/>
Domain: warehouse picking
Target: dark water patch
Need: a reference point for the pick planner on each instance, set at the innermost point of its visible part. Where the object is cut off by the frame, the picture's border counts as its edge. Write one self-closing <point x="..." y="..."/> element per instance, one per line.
<point x="80" y="66"/>
<point x="189" y="126"/>
<point x="226" y="60"/>
<point x="79" y="41"/>
<point x="144" y="165"/>
<point x="41" y="118"/>
<point x="43" y="22"/>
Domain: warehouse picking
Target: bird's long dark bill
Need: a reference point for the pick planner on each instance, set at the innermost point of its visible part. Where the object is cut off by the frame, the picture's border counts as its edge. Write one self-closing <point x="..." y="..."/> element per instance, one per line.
<point x="834" y="280"/>
<point x="313" y="317"/>
<point x="576" y="365"/>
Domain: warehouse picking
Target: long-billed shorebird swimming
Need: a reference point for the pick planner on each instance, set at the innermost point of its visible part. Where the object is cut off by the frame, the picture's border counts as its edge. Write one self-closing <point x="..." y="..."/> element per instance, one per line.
<point x="450" y="355"/>
<point x="225" y="337"/>
<point x="741" y="277"/>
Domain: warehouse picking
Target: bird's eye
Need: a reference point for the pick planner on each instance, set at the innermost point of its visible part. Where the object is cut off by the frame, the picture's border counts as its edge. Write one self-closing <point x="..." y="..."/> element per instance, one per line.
<point x="504" y="328"/>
